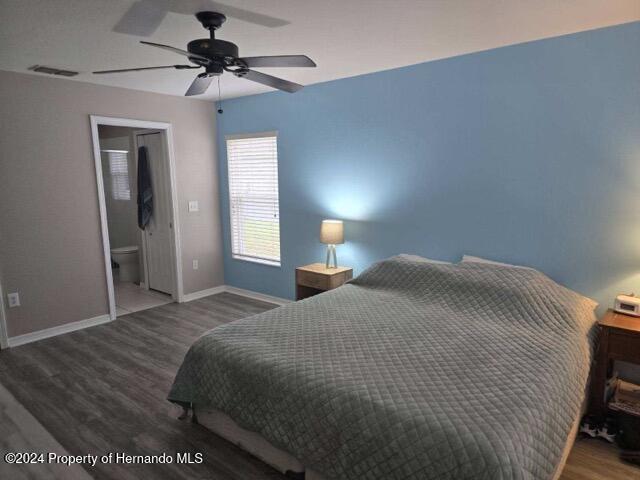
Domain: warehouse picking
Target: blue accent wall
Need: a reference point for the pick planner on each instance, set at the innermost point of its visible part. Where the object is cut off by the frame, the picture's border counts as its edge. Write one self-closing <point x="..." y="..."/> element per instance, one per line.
<point x="527" y="154"/>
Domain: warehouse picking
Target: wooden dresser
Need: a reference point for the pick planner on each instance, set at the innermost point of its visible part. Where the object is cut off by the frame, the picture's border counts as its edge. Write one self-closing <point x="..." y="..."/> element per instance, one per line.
<point x="619" y="339"/>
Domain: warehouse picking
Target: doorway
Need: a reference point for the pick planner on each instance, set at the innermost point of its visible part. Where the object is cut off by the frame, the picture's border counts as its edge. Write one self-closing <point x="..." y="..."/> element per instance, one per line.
<point x="141" y="245"/>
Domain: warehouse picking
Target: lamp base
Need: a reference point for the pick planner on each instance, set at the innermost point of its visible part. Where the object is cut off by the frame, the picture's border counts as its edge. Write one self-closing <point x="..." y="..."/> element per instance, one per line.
<point x="331" y="252"/>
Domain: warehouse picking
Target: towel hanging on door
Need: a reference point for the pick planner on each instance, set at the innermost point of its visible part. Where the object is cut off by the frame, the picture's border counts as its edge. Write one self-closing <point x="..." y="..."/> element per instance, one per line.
<point x="145" y="192"/>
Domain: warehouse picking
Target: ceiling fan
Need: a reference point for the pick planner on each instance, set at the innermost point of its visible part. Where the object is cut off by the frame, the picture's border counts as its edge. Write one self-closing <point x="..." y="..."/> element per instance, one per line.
<point x="217" y="56"/>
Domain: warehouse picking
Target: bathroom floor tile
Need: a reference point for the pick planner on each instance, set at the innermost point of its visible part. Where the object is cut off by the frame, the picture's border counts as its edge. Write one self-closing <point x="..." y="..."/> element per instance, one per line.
<point x="132" y="298"/>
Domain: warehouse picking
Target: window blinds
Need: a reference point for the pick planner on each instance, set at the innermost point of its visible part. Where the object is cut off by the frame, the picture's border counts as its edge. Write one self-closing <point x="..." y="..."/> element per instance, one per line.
<point x="119" y="170"/>
<point x="252" y="163"/>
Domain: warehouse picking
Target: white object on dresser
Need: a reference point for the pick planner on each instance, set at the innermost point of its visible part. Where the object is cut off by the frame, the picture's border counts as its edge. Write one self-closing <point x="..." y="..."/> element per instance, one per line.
<point x="627" y="304"/>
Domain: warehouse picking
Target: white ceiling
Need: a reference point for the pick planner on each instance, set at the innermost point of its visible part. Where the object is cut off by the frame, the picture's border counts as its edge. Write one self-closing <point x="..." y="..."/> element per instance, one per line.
<point x="344" y="37"/>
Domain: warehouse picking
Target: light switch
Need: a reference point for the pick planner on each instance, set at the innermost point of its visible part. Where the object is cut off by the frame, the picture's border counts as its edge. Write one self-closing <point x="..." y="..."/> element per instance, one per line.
<point x="195" y="264"/>
<point x="14" y="299"/>
<point x="193" y="206"/>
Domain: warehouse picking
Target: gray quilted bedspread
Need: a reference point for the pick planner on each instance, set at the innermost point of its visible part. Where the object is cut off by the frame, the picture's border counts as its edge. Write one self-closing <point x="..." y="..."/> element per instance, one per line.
<point x="411" y="371"/>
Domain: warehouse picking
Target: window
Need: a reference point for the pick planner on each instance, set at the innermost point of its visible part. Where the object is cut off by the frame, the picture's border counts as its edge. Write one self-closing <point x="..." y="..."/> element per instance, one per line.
<point x="252" y="161"/>
<point x="119" y="173"/>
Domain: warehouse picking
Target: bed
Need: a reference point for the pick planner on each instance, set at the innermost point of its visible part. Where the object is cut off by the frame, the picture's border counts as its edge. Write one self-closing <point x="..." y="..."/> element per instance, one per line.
<point x="412" y="370"/>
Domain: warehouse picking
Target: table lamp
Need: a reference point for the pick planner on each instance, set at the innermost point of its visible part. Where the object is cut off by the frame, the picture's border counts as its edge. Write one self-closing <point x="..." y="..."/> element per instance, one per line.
<point x="331" y="233"/>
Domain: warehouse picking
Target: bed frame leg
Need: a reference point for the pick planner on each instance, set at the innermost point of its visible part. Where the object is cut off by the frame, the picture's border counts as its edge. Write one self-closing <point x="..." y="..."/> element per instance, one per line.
<point x="184" y="414"/>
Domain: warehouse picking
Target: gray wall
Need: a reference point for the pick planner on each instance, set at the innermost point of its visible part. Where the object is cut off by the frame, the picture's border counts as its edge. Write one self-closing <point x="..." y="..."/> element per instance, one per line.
<point x="51" y="247"/>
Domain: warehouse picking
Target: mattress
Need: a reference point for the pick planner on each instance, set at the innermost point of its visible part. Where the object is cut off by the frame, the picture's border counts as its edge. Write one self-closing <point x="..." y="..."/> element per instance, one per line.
<point x="223" y="425"/>
<point x="412" y="370"/>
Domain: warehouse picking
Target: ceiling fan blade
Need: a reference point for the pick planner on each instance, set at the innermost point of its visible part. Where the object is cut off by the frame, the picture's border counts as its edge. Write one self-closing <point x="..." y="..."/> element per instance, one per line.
<point x="177" y="50"/>
<point x="191" y="7"/>
<point x="279" y="61"/>
<point x="270" y="81"/>
<point x="199" y="85"/>
<point x="245" y="15"/>
<point x="143" y="18"/>
<point x="177" y="67"/>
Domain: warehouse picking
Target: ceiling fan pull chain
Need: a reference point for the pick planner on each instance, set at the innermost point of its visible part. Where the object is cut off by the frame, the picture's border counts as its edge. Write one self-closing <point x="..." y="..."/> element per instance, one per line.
<point x="220" y="111"/>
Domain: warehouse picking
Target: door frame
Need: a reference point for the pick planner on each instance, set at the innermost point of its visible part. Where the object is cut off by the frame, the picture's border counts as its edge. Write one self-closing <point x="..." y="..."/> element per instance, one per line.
<point x="176" y="249"/>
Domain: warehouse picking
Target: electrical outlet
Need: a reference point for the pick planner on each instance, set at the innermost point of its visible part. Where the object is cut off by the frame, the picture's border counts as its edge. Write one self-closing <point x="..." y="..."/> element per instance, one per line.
<point x="195" y="264"/>
<point x="14" y="299"/>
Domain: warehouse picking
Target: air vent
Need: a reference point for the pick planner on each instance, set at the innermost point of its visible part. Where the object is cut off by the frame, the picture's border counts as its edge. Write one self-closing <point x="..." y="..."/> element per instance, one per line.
<point x="53" y="71"/>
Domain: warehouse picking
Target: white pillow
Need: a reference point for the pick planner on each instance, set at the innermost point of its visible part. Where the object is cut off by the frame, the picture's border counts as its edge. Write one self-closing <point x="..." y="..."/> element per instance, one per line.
<point x="417" y="258"/>
<point x="472" y="259"/>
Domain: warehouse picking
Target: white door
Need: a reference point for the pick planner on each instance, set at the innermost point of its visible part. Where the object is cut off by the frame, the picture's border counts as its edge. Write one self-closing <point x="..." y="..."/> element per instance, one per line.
<point x="157" y="235"/>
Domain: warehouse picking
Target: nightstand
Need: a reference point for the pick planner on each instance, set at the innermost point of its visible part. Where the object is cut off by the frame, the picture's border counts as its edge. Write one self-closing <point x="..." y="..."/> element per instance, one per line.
<point x="317" y="278"/>
<point x="619" y="339"/>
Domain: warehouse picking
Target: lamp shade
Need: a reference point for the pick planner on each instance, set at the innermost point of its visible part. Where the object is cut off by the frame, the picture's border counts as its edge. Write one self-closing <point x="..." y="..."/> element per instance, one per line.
<point x="332" y="232"/>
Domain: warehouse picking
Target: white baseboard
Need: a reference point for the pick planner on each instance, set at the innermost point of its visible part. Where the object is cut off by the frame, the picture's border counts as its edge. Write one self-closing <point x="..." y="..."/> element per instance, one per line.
<point x="90" y="322"/>
<point x="188" y="297"/>
<point x="238" y="291"/>
<point x="256" y="295"/>
<point x="59" y="330"/>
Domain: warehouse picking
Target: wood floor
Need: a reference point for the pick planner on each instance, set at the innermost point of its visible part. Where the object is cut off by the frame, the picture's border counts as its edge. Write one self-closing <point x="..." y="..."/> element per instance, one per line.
<point x="21" y="432"/>
<point x="109" y="385"/>
<point x="104" y="389"/>
<point x="595" y="459"/>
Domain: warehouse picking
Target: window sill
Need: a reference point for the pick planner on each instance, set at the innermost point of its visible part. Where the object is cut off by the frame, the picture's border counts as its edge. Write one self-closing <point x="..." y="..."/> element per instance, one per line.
<point x="261" y="261"/>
